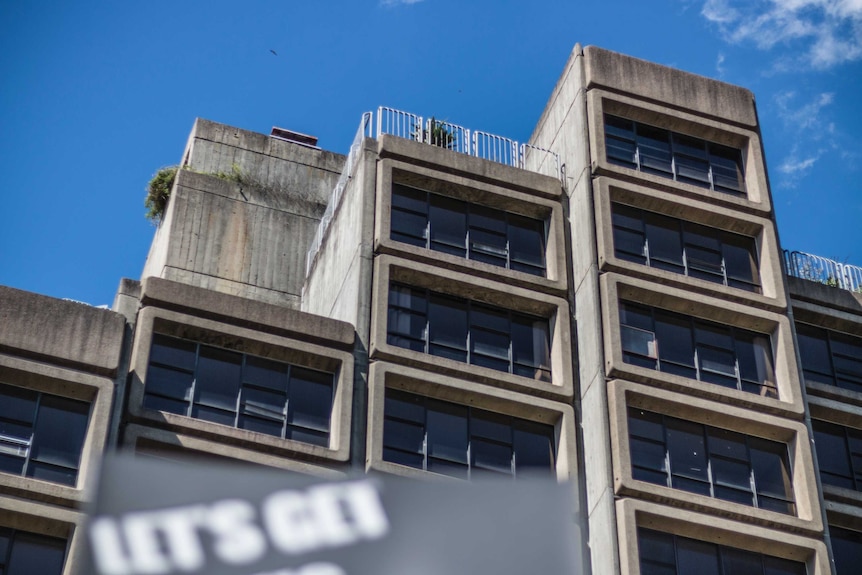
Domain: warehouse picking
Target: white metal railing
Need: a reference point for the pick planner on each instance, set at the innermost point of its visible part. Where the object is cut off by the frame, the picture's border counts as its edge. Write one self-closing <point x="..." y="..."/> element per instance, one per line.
<point x="364" y="130"/>
<point x="823" y="270"/>
<point x="472" y="142"/>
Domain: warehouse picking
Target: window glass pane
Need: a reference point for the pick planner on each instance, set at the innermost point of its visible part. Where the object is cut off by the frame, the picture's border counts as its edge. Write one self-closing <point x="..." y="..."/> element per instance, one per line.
<point x="664" y="240"/>
<point x="740" y="258"/>
<point x="173" y="351"/>
<point x="778" y="566"/>
<point x="405" y="406"/>
<point x="639" y="341"/>
<point x="531" y="347"/>
<point x="265" y="373"/>
<point x="32" y="554"/>
<point x="491" y="426"/>
<point x="617" y="126"/>
<point x="403" y="436"/>
<point x="656" y="547"/>
<point x="813" y="349"/>
<point x="169" y="383"/>
<point x="447" y="432"/>
<point x="630" y="245"/>
<point x="697" y="557"/>
<point x="675" y="338"/>
<point x="61" y="428"/>
<point x="727" y="444"/>
<point x="771" y="468"/>
<point x="731" y="473"/>
<point x="740" y="562"/>
<point x="534" y="446"/>
<point x="217" y="378"/>
<point x="692" y="170"/>
<point x="491" y="457"/>
<point x="847" y="549"/>
<point x="408" y="227"/>
<point x="448" y="219"/>
<point x="409" y="198"/>
<point x="726" y="167"/>
<point x="713" y="335"/>
<point x="646" y="424"/>
<point x="649" y="455"/>
<point x="527" y="240"/>
<point x="654" y="148"/>
<point x="263" y="403"/>
<point x="17" y="405"/>
<point x="310" y="401"/>
<point x="488" y="247"/>
<point x="754" y="356"/>
<point x="487" y="219"/>
<point x="407" y="298"/>
<point x="635" y="315"/>
<point x="447" y="321"/>
<point x="686" y="449"/>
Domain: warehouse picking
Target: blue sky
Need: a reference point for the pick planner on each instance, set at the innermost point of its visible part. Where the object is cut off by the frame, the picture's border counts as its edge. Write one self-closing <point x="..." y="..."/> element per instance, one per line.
<point x="96" y="96"/>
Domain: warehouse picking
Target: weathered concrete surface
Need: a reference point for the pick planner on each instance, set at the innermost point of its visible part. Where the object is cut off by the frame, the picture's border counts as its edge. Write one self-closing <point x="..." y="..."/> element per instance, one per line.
<point x="824" y="295"/>
<point x="62" y="332"/>
<point x="244" y="312"/>
<point x="245" y="233"/>
<point x="675" y="88"/>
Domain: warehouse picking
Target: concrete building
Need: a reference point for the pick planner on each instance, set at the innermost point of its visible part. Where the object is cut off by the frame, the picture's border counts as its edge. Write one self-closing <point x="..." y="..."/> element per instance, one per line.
<point x="608" y="304"/>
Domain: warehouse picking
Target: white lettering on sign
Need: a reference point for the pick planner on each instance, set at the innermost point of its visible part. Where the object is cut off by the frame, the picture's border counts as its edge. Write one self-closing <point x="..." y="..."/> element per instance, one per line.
<point x="170" y="540"/>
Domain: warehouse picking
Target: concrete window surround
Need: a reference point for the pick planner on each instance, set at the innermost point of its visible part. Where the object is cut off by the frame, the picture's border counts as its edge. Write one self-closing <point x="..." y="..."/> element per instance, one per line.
<point x="606" y="192"/>
<point x="141" y="439"/>
<point x="153" y="320"/>
<point x="615" y="288"/>
<point x="600" y="102"/>
<point x="838" y="413"/>
<point x="48" y="520"/>
<point x="632" y="514"/>
<point x="623" y="394"/>
<point x="383" y="375"/>
<point x="832" y="320"/>
<point x="388" y="269"/>
<point x="95" y="390"/>
<point x="476" y="192"/>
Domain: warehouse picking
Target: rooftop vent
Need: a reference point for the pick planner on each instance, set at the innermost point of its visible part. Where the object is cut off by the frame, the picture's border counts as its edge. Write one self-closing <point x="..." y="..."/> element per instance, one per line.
<point x="295" y="137"/>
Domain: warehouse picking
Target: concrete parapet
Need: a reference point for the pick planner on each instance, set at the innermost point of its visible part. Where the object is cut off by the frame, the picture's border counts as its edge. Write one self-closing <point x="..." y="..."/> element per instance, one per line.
<point x="62" y="332"/>
<point x="681" y="90"/>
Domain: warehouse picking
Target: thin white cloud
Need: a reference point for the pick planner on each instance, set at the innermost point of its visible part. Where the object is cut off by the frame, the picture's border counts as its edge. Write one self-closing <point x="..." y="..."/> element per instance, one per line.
<point x="807" y="117"/>
<point x="827" y="32"/>
<point x="719" y="65"/>
<point x="398" y="2"/>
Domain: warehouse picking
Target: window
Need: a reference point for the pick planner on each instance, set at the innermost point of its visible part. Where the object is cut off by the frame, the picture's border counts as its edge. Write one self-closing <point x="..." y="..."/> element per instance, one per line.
<point x="239" y="390"/>
<point x="846" y="549"/>
<point x="462" y="441"/>
<point x="666" y="554"/>
<point x="470" y="231"/>
<point x="830" y="357"/>
<point x="23" y="553"/>
<point x="672" y="155"/>
<point x="697" y="349"/>
<point x="685" y="248"/>
<point x="710" y="461"/>
<point x="839" y="454"/>
<point x="41" y="435"/>
<point x="466" y="331"/>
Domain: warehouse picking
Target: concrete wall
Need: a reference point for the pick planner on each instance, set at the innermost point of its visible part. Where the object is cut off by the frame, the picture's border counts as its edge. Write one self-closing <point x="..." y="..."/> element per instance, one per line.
<point x="245" y="235"/>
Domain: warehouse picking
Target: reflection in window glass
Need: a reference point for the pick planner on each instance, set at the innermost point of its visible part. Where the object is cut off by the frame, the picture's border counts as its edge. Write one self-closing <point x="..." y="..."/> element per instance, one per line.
<point x="41" y="435"/>
<point x="847" y="550"/>
<point x="462" y="441"/>
<point x="682" y="247"/>
<point x="469" y="332"/>
<point x="239" y="390"/>
<point x="672" y="155"/>
<point x="710" y="461"/>
<point x="467" y="230"/>
<point x="697" y="349"/>
<point x="830" y="357"/>
<point x="23" y="553"/>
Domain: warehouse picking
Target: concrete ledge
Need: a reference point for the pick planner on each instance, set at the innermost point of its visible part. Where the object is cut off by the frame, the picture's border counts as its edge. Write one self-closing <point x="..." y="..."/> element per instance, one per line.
<point x="47" y="520"/>
<point x="632" y="514"/>
<point x="243" y="312"/>
<point x="676" y="88"/>
<point x="623" y="394"/>
<point x="475" y="168"/>
<point x="147" y="441"/>
<point x="62" y="332"/>
<point x="824" y="295"/>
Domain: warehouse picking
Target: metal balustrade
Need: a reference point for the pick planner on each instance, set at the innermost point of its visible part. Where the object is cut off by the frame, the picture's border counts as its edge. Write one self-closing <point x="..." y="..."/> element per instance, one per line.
<point x="438" y="133"/>
<point x="823" y="270"/>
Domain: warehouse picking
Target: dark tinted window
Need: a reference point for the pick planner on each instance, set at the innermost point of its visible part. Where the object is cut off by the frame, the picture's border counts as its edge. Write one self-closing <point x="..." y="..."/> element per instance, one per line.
<point x="462" y="441"/>
<point x="466" y="331"/>
<point x="468" y="230"/>
<point x="682" y="247"/>
<point x="710" y="461"/>
<point x="41" y="435"/>
<point x="674" y="343"/>
<point x="239" y="390"/>
<point x="672" y="155"/>
<point x="839" y="454"/>
<point x="830" y="357"/>
<point x="847" y="550"/>
<point x="23" y="553"/>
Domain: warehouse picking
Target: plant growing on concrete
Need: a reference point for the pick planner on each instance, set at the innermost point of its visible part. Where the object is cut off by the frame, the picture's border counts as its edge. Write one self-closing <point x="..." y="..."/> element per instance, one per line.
<point x="158" y="193"/>
<point x="438" y="135"/>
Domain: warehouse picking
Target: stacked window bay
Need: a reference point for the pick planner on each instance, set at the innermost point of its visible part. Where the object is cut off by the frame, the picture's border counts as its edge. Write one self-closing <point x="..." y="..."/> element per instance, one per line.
<point x="492" y="328"/>
<point x="698" y="349"/>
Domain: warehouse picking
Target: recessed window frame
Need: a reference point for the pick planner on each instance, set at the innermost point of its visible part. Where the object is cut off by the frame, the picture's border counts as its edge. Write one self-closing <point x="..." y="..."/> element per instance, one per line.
<point x="835" y="367"/>
<point x="466" y="347"/>
<point x="244" y="411"/>
<point x="717" y="459"/>
<point x="705" y="344"/>
<point x="673" y="155"/>
<point x="643" y="226"/>
<point x="45" y="546"/>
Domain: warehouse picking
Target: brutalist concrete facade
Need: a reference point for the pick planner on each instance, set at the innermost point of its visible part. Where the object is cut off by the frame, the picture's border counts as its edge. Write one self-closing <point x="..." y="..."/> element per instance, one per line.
<point x="367" y="322"/>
